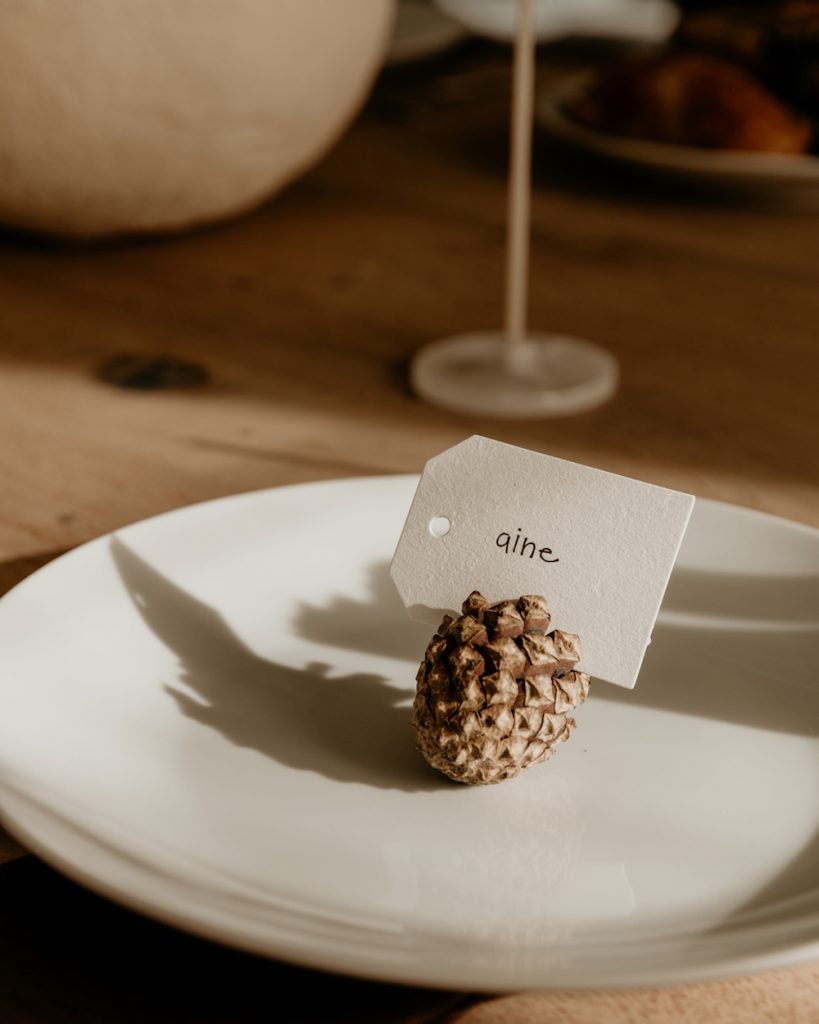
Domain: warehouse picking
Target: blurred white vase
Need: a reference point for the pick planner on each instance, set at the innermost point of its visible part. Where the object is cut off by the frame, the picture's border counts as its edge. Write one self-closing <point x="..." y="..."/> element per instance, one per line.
<point x="148" y="115"/>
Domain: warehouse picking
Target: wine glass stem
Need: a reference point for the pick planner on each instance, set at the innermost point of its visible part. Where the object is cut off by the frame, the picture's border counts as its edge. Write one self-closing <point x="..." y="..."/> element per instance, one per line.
<point x="520" y="186"/>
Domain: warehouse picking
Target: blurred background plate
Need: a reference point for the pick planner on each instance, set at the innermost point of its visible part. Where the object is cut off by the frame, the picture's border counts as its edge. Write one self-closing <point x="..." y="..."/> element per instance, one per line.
<point x="705" y="166"/>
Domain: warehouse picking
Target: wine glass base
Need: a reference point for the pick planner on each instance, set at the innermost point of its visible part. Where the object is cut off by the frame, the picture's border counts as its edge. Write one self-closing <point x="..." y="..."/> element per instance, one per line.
<point x="545" y="375"/>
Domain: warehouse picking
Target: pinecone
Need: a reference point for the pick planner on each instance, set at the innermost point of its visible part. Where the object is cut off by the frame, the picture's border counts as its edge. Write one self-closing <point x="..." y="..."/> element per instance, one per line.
<point x="494" y="689"/>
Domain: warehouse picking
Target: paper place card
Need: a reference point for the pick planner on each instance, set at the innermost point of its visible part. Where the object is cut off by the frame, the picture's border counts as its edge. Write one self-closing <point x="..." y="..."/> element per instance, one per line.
<point x="506" y="521"/>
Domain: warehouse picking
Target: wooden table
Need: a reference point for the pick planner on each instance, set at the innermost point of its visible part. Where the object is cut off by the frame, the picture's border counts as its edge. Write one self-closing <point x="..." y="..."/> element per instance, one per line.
<point x="294" y="326"/>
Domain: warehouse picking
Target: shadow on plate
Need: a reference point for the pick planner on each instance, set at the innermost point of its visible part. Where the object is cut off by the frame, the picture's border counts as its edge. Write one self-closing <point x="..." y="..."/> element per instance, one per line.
<point x="353" y="728"/>
<point x="377" y="625"/>
<point x="721" y="640"/>
<point x="734" y="648"/>
<point x="791" y="602"/>
<point x="744" y="649"/>
<point x="728" y="647"/>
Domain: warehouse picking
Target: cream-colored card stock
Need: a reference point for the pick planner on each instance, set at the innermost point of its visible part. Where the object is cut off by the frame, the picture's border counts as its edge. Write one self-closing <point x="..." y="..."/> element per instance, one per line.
<point x="506" y="521"/>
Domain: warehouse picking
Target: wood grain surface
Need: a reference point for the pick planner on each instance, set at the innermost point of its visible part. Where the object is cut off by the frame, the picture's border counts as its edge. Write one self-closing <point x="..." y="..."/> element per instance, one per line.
<point x="144" y="375"/>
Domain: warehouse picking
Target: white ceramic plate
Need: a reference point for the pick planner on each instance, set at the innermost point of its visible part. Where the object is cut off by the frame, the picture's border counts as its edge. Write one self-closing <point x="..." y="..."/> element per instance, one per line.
<point x="706" y="166"/>
<point x="206" y="718"/>
<point x="422" y="30"/>
<point x="646" y="20"/>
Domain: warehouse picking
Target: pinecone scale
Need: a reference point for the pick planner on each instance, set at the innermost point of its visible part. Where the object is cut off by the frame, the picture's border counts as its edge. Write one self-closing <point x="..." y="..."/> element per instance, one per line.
<point x="494" y="690"/>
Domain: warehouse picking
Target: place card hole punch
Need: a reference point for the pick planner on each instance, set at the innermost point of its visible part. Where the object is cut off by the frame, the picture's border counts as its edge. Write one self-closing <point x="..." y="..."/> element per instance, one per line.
<point x="439" y="526"/>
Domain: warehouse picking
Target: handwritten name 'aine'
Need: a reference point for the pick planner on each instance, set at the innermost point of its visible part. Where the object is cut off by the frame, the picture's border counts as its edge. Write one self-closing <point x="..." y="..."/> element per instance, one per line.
<point x="523" y="546"/>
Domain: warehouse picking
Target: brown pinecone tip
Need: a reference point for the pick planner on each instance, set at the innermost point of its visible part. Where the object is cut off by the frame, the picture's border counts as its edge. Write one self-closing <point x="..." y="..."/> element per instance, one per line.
<point x="495" y="688"/>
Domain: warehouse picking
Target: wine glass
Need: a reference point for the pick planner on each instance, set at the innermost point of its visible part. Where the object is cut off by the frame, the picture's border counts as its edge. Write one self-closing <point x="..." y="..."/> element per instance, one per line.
<point x="516" y="373"/>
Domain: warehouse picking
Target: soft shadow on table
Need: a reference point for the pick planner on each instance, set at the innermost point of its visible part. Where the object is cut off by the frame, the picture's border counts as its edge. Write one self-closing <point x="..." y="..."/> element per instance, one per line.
<point x="68" y="955"/>
<point x="353" y="728"/>
<point x="561" y="167"/>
